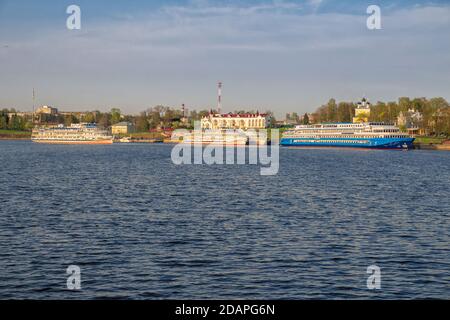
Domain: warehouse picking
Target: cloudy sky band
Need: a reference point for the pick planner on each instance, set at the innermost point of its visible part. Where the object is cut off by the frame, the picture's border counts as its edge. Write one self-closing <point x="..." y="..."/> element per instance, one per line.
<point x="280" y="55"/>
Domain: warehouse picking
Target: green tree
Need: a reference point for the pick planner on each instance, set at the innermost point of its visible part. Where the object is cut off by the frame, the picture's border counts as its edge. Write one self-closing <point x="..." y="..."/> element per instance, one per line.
<point x="271" y="120"/>
<point x="391" y="112"/>
<point x="378" y="112"/>
<point x="321" y="114"/>
<point x="3" y="122"/>
<point x="69" y="119"/>
<point x="104" y="120"/>
<point x="16" y="123"/>
<point x="419" y="104"/>
<point x="154" y="117"/>
<point x="306" y="119"/>
<point x="116" y="115"/>
<point x="142" y="123"/>
<point x="4" y="119"/>
<point x="345" y="111"/>
<point x="404" y="104"/>
<point x="331" y="111"/>
<point x="203" y="113"/>
<point x="89" y="117"/>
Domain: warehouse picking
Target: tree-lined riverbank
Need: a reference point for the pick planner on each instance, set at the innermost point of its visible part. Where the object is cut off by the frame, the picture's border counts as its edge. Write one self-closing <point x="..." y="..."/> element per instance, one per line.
<point x="14" y="135"/>
<point x="433" y="115"/>
<point x="421" y="142"/>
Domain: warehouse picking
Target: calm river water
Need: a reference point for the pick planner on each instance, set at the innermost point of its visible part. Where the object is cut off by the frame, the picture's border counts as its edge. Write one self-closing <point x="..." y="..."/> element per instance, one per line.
<point x="140" y="227"/>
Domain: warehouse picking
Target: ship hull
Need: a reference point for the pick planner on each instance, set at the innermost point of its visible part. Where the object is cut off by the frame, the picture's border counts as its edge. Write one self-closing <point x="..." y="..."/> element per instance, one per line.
<point x="375" y="143"/>
<point x="206" y="143"/>
<point x="94" y="142"/>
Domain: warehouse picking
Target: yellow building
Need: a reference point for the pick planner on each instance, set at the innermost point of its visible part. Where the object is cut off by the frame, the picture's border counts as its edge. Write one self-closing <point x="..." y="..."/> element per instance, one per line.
<point x="362" y="111"/>
<point x="47" y="110"/>
<point x="235" y="121"/>
<point x="122" y="128"/>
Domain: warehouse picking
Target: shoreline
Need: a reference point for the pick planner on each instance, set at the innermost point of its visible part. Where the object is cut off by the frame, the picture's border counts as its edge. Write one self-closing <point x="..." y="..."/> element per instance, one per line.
<point x="421" y="146"/>
<point x="14" y="139"/>
<point x="433" y="147"/>
<point x="14" y="135"/>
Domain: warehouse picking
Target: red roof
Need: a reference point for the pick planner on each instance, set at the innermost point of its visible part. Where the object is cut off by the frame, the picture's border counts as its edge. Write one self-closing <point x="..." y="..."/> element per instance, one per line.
<point x="242" y="115"/>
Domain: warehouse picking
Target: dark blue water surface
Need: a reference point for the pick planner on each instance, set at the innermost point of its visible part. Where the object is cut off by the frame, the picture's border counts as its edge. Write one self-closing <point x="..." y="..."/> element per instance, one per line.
<point x="140" y="227"/>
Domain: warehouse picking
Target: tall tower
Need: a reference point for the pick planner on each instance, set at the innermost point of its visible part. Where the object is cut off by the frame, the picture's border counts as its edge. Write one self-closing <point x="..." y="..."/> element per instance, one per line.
<point x="219" y="97"/>
<point x="184" y="118"/>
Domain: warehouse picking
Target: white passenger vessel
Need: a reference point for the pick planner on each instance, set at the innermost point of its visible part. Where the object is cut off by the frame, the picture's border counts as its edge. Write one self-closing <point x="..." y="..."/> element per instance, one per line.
<point x="83" y="133"/>
<point x="359" y="134"/>
<point x="220" y="137"/>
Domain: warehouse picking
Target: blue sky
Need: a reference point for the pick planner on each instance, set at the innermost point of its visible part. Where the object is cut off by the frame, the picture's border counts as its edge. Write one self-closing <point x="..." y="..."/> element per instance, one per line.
<point x="283" y="55"/>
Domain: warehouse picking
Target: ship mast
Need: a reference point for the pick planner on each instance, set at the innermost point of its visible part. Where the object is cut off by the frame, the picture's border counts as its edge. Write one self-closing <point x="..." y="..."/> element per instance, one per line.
<point x="34" y="105"/>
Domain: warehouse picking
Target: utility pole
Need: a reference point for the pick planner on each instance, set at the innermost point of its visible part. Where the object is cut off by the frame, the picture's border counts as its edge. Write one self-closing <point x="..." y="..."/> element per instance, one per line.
<point x="34" y="100"/>
<point x="219" y="97"/>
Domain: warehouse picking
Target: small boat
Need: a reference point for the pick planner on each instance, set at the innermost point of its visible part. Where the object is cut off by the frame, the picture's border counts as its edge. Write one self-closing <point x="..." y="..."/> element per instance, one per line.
<point x="125" y="140"/>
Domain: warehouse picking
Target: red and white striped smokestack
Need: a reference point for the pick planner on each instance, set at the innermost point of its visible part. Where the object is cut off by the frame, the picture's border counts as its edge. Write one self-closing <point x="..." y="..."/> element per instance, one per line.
<point x="219" y="97"/>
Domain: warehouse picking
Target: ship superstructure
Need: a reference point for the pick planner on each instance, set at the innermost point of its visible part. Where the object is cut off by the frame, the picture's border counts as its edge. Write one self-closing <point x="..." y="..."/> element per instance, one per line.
<point x="220" y="137"/>
<point x="82" y="133"/>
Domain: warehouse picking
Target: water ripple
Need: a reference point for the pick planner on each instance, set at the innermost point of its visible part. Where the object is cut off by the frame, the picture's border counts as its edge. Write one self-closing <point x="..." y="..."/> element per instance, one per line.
<point x="140" y="227"/>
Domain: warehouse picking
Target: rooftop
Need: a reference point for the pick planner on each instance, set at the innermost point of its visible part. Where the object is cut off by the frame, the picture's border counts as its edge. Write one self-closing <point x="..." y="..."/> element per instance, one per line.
<point x="122" y="124"/>
<point x="240" y="115"/>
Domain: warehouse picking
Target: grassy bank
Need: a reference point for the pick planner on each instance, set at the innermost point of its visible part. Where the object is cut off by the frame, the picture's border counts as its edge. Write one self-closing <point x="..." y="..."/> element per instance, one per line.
<point x="14" y="134"/>
<point x="429" y="140"/>
<point x="145" y="135"/>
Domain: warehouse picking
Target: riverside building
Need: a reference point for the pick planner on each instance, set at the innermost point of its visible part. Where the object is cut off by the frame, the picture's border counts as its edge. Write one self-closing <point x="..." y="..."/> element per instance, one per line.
<point x="235" y="121"/>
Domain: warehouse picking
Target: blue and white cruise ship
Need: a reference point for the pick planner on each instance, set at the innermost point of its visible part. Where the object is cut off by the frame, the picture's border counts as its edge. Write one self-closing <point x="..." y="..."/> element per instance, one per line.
<point x="356" y="135"/>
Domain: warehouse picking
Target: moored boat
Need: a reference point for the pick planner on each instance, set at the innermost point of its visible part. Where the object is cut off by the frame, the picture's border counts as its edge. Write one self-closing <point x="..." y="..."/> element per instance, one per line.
<point x="367" y="135"/>
<point x="83" y="133"/>
<point x="124" y="140"/>
<point x="219" y="137"/>
<point x="363" y="134"/>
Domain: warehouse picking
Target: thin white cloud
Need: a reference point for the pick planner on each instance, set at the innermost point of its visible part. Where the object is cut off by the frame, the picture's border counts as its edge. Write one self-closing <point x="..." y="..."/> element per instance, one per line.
<point x="266" y="27"/>
<point x="315" y="4"/>
<point x="205" y="9"/>
<point x="276" y="46"/>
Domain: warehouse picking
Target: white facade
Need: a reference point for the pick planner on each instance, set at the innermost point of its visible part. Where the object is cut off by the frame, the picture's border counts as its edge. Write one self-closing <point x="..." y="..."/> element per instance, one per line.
<point x="235" y="121"/>
<point x="46" y="110"/>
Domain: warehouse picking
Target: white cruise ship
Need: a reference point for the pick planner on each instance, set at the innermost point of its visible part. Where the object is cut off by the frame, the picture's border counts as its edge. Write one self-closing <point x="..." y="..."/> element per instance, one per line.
<point x="83" y="133"/>
<point x="221" y="137"/>
<point x="359" y="134"/>
<point x="363" y="135"/>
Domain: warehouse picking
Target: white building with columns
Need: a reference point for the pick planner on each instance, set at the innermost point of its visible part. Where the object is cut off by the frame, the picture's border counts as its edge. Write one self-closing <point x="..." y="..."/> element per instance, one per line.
<point x="235" y="121"/>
